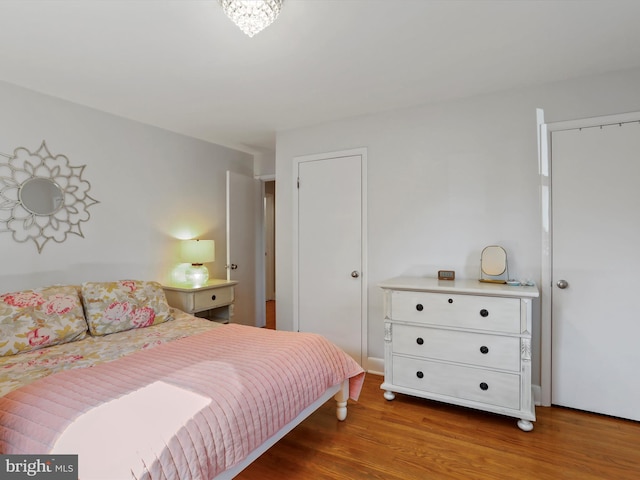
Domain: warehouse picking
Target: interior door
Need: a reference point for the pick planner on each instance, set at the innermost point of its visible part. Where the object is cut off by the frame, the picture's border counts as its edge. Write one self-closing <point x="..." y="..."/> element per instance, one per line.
<point x="596" y="258"/>
<point x="243" y="193"/>
<point x="330" y="252"/>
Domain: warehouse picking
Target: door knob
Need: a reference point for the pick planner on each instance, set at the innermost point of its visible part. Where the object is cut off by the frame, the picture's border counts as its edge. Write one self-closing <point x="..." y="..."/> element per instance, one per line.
<point x="233" y="266"/>
<point x="562" y="284"/>
<point x="355" y="274"/>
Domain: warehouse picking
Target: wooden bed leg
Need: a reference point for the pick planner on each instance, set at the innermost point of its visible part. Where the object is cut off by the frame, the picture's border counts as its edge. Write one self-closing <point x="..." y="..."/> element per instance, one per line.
<point x="341" y="401"/>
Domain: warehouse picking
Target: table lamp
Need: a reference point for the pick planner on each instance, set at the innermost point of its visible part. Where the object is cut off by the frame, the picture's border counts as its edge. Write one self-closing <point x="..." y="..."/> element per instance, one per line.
<point x="197" y="252"/>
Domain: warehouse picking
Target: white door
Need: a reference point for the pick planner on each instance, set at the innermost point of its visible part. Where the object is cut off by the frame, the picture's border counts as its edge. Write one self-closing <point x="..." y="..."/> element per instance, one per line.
<point x="242" y="242"/>
<point x="596" y="251"/>
<point x="330" y="251"/>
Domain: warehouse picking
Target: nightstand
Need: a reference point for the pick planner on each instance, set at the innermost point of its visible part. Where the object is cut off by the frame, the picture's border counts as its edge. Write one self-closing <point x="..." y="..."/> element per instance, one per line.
<point x="213" y="301"/>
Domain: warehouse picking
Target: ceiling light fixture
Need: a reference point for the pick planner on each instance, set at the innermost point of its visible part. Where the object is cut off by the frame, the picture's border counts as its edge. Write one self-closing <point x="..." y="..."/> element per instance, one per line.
<point x="252" y="16"/>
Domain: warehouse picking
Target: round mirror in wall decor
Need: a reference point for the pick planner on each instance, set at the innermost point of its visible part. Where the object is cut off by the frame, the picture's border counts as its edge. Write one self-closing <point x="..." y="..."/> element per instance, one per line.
<point x="42" y="196"/>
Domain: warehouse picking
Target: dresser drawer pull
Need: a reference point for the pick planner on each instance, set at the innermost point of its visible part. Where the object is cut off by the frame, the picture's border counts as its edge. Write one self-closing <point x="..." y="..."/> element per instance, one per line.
<point x="419" y="374"/>
<point x="213" y="297"/>
<point x="484" y="386"/>
<point x="450" y="300"/>
<point x="484" y="312"/>
<point x="419" y="340"/>
<point x="419" y="307"/>
<point x="484" y="350"/>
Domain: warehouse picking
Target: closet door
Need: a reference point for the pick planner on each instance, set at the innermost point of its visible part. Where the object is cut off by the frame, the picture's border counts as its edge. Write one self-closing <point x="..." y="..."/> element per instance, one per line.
<point x="330" y="281"/>
<point x="596" y="260"/>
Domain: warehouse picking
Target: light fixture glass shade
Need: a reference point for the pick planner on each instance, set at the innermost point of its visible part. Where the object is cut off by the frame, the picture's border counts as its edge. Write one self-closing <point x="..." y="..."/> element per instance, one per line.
<point x="197" y="252"/>
<point x="252" y="16"/>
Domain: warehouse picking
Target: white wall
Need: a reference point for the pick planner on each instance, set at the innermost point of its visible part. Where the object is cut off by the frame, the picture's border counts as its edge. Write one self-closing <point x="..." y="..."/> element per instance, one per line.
<point x="444" y="181"/>
<point x="264" y="164"/>
<point x="153" y="186"/>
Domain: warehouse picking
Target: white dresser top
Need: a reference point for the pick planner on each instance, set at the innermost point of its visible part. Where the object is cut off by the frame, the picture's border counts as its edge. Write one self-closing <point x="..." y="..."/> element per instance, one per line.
<point x="464" y="286"/>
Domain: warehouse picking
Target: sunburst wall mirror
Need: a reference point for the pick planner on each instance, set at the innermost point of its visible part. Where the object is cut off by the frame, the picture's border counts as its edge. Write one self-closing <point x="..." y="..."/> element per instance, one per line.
<point x="42" y="196"/>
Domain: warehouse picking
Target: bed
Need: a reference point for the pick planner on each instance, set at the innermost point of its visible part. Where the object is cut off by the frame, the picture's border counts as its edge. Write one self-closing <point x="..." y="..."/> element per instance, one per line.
<point x="165" y="395"/>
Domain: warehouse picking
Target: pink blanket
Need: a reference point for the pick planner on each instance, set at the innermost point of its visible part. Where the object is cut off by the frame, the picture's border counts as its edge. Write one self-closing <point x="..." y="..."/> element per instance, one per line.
<point x="191" y="408"/>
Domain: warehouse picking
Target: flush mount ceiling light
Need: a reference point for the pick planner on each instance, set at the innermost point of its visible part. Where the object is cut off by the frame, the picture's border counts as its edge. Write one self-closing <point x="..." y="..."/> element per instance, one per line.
<point x="252" y="16"/>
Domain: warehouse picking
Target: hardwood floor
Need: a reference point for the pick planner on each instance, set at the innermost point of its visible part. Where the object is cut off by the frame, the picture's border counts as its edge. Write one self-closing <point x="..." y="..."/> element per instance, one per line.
<point x="271" y="315"/>
<point x="413" y="438"/>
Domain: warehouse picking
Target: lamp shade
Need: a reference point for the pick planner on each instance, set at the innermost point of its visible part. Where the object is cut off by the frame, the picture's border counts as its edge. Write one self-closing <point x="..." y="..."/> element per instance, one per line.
<point x="198" y="251"/>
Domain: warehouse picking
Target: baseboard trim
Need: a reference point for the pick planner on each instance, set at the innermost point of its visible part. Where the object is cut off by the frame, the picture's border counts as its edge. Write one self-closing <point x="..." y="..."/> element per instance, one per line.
<point x="375" y="366"/>
<point x="536" y="390"/>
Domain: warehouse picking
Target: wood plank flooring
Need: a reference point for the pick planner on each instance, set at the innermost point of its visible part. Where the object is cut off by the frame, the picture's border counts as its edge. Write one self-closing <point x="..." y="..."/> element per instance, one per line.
<point x="271" y="315"/>
<point x="412" y="438"/>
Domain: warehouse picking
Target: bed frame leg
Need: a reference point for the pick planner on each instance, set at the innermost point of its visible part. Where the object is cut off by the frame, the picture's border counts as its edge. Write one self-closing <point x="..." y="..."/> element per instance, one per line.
<point x="341" y="401"/>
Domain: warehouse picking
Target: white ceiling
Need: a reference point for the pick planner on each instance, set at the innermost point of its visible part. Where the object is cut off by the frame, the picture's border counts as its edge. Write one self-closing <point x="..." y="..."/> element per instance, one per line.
<point x="183" y="66"/>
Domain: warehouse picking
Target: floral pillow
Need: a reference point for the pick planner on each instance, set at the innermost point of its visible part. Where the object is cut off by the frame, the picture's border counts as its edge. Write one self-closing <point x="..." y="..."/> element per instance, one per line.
<point x="113" y="307"/>
<point x="33" y="319"/>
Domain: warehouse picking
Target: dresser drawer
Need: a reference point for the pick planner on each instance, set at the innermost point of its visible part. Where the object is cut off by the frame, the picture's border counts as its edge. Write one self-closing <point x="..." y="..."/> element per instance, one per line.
<point x="207" y="299"/>
<point x="465" y="311"/>
<point x="485" y="386"/>
<point x="491" y="351"/>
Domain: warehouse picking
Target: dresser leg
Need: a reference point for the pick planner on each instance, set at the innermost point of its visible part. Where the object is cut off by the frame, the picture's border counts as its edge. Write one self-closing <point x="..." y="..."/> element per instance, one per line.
<point x="525" y="425"/>
<point x="389" y="395"/>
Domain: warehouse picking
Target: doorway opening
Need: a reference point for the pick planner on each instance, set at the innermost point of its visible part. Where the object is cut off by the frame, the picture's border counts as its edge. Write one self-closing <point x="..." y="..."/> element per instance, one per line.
<point x="269" y="233"/>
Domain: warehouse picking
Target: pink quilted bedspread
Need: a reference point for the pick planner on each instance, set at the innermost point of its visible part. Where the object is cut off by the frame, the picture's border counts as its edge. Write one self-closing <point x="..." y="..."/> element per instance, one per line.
<point x="188" y="409"/>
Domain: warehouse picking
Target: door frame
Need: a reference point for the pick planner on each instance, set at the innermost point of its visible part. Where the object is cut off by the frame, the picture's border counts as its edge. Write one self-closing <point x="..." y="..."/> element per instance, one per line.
<point x="546" y="197"/>
<point x="269" y="294"/>
<point x="362" y="152"/>
<point x="261" y="294"/>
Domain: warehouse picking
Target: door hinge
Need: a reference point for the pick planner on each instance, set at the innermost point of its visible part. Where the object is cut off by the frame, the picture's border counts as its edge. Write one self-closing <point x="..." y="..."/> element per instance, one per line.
<point x="298" y="182"/>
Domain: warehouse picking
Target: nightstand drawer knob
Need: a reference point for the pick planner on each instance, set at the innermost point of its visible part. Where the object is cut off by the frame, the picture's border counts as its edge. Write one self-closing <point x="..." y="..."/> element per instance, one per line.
<point x="419" y="341"/>
<point x="484" y="350"/>
<point x="419" y="307"/>
<point x="484" y="386"/>
<point x="419" y="374"/>
<point x="484" y="313"/>
<point x="213" y="297"/>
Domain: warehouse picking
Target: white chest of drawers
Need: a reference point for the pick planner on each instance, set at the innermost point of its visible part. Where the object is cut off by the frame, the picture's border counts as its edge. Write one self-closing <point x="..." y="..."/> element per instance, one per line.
<point x="463" y="342"/>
